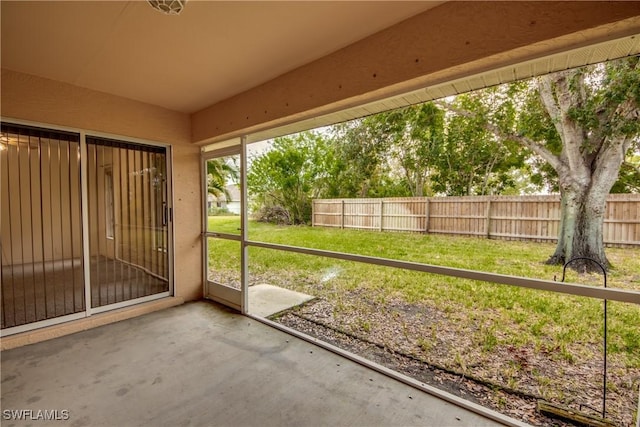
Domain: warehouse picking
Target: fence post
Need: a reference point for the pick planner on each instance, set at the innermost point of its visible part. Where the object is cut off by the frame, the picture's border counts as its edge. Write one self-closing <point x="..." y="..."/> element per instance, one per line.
<point x="313" y="213"/>
<point x="426" y="214"/>
<point x="342" y="213"/>
<point x="381" y="213"/>
<point x="488" y="219"/>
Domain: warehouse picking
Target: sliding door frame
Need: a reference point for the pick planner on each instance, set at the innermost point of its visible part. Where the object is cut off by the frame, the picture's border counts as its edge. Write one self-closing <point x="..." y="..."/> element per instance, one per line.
<point x="170" y="234"/>
<point x="84" y="209"/>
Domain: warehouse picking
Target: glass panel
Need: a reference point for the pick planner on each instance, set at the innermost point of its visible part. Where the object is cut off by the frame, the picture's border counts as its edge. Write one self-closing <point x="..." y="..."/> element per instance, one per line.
<point x="41" y="235"/>
<point x="223" y="194"/>
<point x="128" y="221"/>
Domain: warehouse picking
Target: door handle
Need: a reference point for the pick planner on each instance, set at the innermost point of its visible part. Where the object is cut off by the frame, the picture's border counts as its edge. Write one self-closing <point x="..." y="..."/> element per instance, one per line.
<point x="167" y="214"/>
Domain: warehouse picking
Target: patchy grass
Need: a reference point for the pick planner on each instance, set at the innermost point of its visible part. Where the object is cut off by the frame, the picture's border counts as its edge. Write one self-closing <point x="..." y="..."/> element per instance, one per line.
<point x="540" y="342"/>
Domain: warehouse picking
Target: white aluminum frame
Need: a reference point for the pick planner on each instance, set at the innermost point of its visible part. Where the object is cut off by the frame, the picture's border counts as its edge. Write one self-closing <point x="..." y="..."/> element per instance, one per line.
<point x="611" y="294"/>
<point x="244" y="229"/>
<point x="234" y="298"/>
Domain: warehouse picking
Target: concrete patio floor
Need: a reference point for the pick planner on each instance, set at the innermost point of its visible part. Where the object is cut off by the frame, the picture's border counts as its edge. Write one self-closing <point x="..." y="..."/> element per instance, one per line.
<point x="200" y="364"/>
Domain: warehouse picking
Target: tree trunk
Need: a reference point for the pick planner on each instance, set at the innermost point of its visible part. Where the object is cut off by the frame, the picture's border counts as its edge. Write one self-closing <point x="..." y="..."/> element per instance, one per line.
<point x="580" y="234"/>
<point x="584" y="199"/>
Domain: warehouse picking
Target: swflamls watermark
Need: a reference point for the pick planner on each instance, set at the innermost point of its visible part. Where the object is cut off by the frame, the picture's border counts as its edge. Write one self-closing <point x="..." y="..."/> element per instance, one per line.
<point x="35" y="414"/>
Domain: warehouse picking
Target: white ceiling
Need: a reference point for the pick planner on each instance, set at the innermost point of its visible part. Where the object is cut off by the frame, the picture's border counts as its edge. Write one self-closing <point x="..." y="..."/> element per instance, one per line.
<point x="210" y="52"/>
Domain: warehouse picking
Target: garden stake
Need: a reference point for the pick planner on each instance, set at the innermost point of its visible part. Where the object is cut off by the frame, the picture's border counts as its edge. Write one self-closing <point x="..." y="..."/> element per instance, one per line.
<point x="571" y="414"/>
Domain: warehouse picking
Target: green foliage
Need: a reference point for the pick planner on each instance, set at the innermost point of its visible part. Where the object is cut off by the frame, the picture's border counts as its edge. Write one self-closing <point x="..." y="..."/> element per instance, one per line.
<point x="221" y="172"/>
<point x="629" y="177"/>
<point x="614" y="85"/>
<point x="416" y="143"/>
<point x="285" y="178"/>
<point x="475" y="161"/>
<point x="359" y="167"/>
<point x="418" y="151"/>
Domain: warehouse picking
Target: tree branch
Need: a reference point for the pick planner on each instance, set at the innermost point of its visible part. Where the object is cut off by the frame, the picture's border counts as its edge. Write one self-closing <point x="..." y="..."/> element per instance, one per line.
<point x="608" y="163"/>
<point x="571" y="134"/>
<point x="532" y="145"/>
<point x="547" y="98"/>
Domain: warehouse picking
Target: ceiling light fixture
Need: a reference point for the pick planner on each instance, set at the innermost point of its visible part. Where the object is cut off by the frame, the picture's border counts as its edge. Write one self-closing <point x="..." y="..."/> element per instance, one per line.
<point x="168" y="7"/>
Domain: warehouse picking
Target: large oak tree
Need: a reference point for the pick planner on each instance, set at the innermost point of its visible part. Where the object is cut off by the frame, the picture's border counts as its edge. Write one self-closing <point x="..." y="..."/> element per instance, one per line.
<point x="581" y="123"/>
<point x="595" y="111"/>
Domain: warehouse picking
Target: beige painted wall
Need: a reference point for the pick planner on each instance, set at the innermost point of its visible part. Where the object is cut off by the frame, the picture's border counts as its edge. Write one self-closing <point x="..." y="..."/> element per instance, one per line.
<point x="44" y="101"/>
<point x="454" y="40"/>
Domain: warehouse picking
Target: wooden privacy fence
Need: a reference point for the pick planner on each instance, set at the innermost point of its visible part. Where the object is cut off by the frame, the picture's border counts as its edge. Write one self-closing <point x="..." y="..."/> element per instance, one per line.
<point x="534" y="218"/>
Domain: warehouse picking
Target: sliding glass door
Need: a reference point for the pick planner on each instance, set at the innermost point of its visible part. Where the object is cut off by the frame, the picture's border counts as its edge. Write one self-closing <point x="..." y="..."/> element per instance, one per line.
<point x="84" y="225"/>
<point x="128" y="220"/>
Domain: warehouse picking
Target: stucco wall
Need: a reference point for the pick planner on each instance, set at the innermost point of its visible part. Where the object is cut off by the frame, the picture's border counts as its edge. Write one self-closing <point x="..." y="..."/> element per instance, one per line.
<point x="44" y="101"/>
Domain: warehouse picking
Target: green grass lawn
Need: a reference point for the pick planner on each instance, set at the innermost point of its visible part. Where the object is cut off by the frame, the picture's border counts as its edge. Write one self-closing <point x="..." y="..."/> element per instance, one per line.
<point x="490" y="318"/>
<point x="498" y="256"/>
